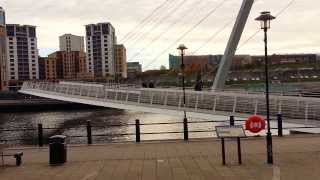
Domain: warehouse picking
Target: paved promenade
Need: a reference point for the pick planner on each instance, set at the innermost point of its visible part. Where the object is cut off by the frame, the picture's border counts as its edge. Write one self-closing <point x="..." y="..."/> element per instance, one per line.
<point x="296" y="158"/>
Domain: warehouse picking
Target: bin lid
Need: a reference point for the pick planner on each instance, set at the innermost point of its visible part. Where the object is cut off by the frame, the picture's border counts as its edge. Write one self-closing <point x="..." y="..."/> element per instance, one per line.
<point x="57" y="137"/>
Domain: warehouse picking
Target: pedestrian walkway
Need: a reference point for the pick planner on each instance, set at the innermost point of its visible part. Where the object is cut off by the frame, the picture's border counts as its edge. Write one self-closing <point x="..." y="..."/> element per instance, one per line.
<point x="296" y="158"/>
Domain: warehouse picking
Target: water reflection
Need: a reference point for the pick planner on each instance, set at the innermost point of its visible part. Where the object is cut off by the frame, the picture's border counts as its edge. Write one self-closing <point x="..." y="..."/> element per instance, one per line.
<point x="72" y="124"/>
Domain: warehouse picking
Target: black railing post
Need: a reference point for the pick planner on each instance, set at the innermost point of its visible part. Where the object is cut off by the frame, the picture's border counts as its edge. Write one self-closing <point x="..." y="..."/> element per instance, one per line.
<point x="231" y="120"/>
<point x="223" y="150"/>
<point x="239" y="150"/>
<point x="137" y="130"/>
<point x="89" y="135"/>
<point x="185" y="129"/>
<point x="40" y="135"/>
<point x="280" y="130"/>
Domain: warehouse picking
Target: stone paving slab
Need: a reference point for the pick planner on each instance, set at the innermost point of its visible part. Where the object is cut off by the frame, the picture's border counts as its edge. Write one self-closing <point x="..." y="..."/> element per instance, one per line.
<point x="296" y="158"/>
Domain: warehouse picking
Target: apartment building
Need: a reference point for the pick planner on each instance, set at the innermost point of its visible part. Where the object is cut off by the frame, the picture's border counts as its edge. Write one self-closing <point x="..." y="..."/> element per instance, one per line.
<point x="121" y="61"/>
<point x="3" y="51"/>
<point x="100" y="43"/>
<point x="22" y="53"/>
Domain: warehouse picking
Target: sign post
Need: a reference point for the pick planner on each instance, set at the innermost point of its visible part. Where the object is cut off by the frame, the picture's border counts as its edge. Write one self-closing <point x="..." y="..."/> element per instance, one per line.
<point x="230" y="132"/>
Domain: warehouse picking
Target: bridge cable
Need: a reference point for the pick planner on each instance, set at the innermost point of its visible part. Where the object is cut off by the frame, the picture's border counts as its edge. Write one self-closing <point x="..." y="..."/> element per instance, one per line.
<point x="166" y="30"/>
<point x="216" y="34"/>
<point x="187" y="32"/>
<point x="145" y="19"/>
<point x="255" y="33"/>
<point x="145" y="27"/>
<point x="162" y="20"/>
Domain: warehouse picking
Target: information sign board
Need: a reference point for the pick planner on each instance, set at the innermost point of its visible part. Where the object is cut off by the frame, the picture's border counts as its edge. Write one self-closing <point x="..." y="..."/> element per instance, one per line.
<point x="230" y="131"/>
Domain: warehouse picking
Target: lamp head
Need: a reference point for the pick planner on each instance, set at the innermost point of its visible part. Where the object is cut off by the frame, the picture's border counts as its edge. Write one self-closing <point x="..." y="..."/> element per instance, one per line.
<point x="265" y="18"/>
<point x="182" y="48"/>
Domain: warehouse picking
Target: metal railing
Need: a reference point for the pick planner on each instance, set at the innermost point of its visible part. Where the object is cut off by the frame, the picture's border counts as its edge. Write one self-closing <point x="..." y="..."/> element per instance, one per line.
<point x="303" y="108"/>
<point x="89" y="132"/>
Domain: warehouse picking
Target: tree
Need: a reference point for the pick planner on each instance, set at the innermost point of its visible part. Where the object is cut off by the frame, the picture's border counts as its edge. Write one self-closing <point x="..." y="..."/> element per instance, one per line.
<point x="163" y="68"/>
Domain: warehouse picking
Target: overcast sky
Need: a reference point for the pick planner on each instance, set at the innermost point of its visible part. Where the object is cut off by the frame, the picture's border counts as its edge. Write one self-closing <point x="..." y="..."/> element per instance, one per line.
<point x="296" y="30"/>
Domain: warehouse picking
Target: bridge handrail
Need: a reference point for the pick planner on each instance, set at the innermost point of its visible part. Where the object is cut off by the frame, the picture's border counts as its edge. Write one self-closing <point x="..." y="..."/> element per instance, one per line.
<point x="205" y="102"/>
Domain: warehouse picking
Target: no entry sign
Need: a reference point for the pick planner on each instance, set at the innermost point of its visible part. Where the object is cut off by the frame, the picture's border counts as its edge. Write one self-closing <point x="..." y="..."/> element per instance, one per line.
<point x="255" y="124"/>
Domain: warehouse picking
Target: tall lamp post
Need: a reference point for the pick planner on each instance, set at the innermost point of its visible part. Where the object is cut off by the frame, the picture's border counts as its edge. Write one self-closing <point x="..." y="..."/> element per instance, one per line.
<point x="182" y="49"/>
<point x="265" y="18"/>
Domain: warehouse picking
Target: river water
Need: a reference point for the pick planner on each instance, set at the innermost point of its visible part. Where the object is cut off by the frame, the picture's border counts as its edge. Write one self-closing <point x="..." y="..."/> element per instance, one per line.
<point x="109" y="125"/>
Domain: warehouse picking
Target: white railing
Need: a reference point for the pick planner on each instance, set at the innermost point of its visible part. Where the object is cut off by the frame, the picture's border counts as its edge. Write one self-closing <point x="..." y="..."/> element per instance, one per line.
<point x="205" y="102"/>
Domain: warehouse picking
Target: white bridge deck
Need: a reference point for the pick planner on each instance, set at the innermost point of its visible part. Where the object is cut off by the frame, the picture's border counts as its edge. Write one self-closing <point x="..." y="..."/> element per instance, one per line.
<point x="203" y="104"/>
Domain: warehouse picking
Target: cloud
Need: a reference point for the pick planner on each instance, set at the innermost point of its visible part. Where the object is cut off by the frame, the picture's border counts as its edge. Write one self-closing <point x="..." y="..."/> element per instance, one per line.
<point x="294" y="31"/>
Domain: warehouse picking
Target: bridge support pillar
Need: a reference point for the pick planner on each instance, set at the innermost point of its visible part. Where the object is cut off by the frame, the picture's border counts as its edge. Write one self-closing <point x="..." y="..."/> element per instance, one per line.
<point x="232" y="45"/>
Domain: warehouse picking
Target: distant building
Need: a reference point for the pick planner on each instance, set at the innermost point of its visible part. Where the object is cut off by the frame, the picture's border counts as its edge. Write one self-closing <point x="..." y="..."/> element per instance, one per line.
<point x="121" y="61"/>
<point x="65" y="65"/>
<point x="240" y="61"/>
<point x="133" y="68"/>
<point x="22" y="53"/>
<point x="69" y="42"/>
<point x="42" y="67"/>
<point x="53" y="66"/>
<point x="201" y="61"/>
<point x="100" y="43"/>
<point x="287" y="59"/>
<point x="3" y="52"/>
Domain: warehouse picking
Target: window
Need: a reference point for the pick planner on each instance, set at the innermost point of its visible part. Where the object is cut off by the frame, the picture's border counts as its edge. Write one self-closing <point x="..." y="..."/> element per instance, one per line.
<point x="32" y="48"/>
<point x="12" y="69"/>
<point x="31" y="39"/>
<point x="12" y="77"/>
<point x="105" y="29"/>
<point x="12" y="73"/>
<point x="32" y="32"/>
<point x="10" y="47"/>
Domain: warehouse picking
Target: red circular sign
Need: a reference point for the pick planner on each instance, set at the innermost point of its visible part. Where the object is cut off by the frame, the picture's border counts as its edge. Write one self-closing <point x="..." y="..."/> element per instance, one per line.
<point x="255" y="124"/>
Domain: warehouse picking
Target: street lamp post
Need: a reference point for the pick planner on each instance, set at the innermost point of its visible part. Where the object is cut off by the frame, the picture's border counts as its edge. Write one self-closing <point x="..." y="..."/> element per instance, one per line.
<point x="182" y="49"/>
<point x="265" y="19"/>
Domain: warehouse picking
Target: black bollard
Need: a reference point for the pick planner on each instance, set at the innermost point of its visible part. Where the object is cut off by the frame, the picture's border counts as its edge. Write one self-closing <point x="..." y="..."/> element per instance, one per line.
<point x="280" y="130"/>
<point x="89" y="135"/>
<point x="137" y="130"/>
<point x="40" y="135"/>
<point x="185" y="129"/>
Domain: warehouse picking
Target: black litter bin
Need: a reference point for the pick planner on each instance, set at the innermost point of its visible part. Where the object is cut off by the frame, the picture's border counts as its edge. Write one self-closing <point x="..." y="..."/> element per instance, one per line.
<point x="57" y="149"/>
